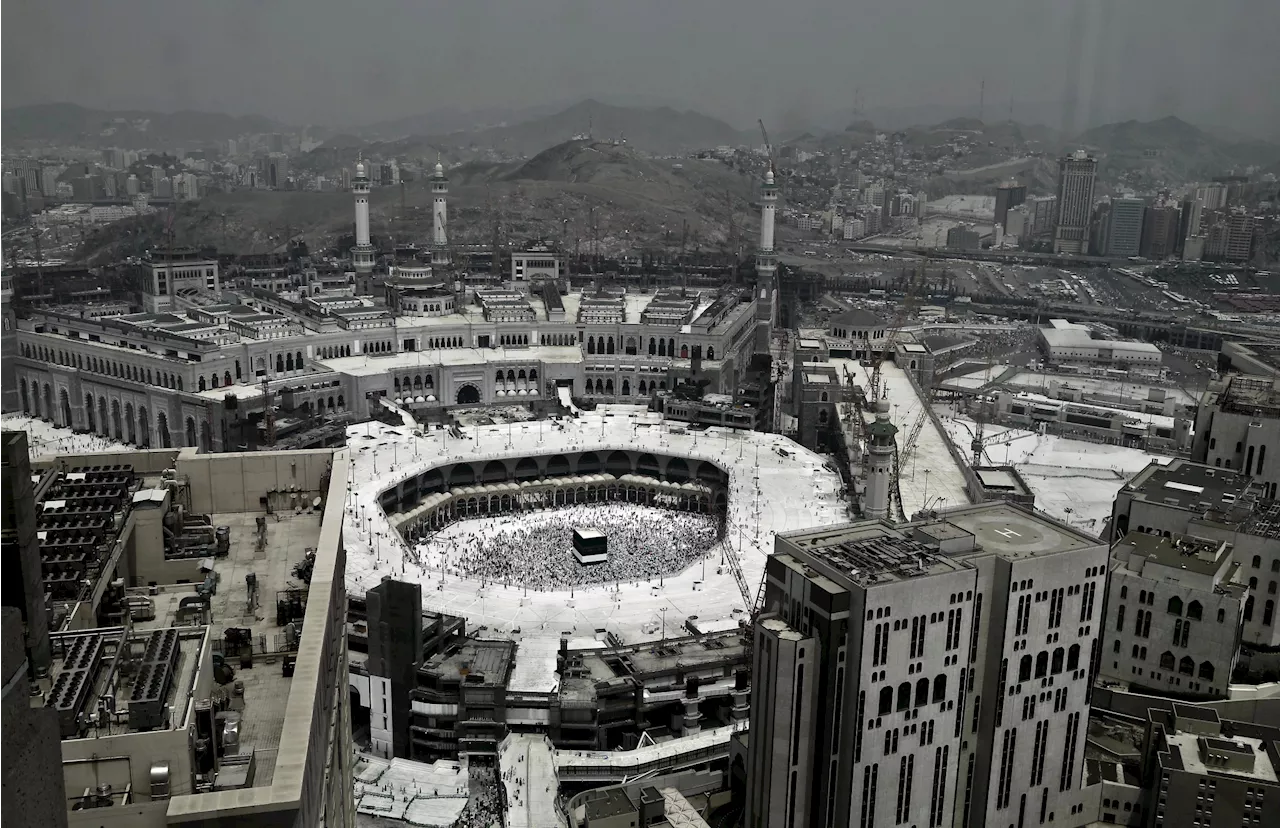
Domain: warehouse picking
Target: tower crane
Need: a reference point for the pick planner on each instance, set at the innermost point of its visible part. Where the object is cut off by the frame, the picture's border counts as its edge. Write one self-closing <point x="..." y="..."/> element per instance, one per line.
<point x="768" y="146"/>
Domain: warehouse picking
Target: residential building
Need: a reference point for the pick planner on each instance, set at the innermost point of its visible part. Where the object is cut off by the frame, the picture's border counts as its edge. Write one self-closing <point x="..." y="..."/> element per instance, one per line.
<point x="1240" y="225"/>
<point x="1077" y="174"/>
<point x="980" y="719"/>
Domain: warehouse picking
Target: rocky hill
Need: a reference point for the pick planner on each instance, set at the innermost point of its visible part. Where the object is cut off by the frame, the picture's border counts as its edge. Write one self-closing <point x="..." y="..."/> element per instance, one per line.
<point x="559" y="194"/>
<point x="1168" y="152"/>
<point x="658" y="130"/>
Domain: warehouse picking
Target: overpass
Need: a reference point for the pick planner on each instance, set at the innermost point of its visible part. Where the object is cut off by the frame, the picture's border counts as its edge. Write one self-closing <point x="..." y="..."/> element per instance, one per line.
<point x="651" y="759"/>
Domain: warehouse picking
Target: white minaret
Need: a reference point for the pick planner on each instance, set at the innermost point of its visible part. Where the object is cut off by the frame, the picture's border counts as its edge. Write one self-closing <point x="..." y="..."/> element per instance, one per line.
<point x="362" y="253"/>
<point x="439" y="216"/>
<point x="879" y="463"/>
<point x="766" y="266"/>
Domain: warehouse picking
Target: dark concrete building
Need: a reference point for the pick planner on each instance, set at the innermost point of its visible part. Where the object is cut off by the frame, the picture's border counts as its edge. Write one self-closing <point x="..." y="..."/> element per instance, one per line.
<point x="34" y="793"/>
<point x="21" y="584"/>
<point x="1009" y="194"/>
<point x="395" y="651"/>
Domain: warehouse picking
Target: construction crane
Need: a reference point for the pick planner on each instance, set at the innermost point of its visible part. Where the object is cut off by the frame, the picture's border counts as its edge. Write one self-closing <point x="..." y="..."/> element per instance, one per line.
<point x="768" y="147"/>
<point x="901" y="454"/>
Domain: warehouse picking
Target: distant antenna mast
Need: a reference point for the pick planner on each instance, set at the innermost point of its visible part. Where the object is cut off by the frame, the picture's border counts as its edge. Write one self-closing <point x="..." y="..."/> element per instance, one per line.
<point x="982" y="98"/>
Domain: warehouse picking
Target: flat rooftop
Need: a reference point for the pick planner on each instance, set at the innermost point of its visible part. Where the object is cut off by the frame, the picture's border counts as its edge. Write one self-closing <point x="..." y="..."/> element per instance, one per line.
<point x="868" y="553"/>
<point x="1190" y="556"/>
<point x="266" y="689"/>
<point x="1187" y="485"/>
<point x="1010" y="532"/>
<point x="1249" y="394"/>
<point x="1249" y="757"/>
<point x="476" y="662"/>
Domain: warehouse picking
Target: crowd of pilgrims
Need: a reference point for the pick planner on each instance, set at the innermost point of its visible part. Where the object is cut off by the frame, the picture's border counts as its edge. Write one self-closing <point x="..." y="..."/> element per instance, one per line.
<point x="535" y="549"/>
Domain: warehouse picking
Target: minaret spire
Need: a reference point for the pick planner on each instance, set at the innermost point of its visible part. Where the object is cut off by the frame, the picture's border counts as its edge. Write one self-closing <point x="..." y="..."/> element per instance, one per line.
<point x="362" y="253"/>
<point x="766" y="265"/>
<point x="439" y="216"/>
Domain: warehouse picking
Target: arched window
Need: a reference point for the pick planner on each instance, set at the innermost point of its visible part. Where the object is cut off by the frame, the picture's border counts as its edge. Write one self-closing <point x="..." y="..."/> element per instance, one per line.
<point x="279" y="364"/>
<point x="201" y="384"/>
<point x="1275" y="565"/>
<point x="922" y="692"/>
<point x="610" y="346"/>
<point x="1268" y="611"/>
<point x="1257" y="561"/>
<point x="288" y="362"/>
<point x="591" y="345"/>
<point x="886" y="701"/>
<point x="1206" y="670"/>
<point x="1194" y="610"/>
<point x="1167" y="660"/>
<point x="1175" y="605"/>
<point x="1187" y="666"/>
<point x="824" y="397"/>
<point x="1222" y="615"/>
<point x="1248" y="608"/>
<point x="653" y="346"/>
<point x="940" y="688"/>
<point x="643" y="388"/>
<point x="214" y="381"/>
<point x="1073" y="657"/>
<point x="1120" y="618"/>
<point x="1042" y="664"/>
<point x="297" y="361"/>
<point x="1056" y="666"/>
<point x="711" y="353"/>
<point x="904" y="695"/>
<point x="1024" y="668"/>
<point x="1124" y="590"/>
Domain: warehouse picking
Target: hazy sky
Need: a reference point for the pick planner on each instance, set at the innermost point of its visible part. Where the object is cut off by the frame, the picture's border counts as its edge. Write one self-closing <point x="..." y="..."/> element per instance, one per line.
<point x="332" y="62"/>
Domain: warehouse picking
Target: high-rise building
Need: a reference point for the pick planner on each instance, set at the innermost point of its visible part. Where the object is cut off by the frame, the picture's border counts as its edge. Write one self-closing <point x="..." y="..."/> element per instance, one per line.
<point x="1009" y="194"/>
<point x="275" y="142"/>
<point x="1240" y="226"/>
<point x="21" y="585"/>
<point x="1042" y="210"/>
<point x="275" y="171"/>
<point x="981" y="719"/>
<point x="1124" y="227"/>
<point x="1160" y="232"/>
<point x="1189" y="221"/>
<point x="1212" y="196"/>
<point x="49" y="181"/>
<point x="1077" y="174"/>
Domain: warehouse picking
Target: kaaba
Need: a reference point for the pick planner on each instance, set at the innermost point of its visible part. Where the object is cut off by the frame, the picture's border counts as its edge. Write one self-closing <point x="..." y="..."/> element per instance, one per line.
<point x="590" y="546"/>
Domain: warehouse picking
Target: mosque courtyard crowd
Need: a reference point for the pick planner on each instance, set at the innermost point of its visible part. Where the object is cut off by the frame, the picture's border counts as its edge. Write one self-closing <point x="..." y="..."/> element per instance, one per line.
<point x="535" y="549"/>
